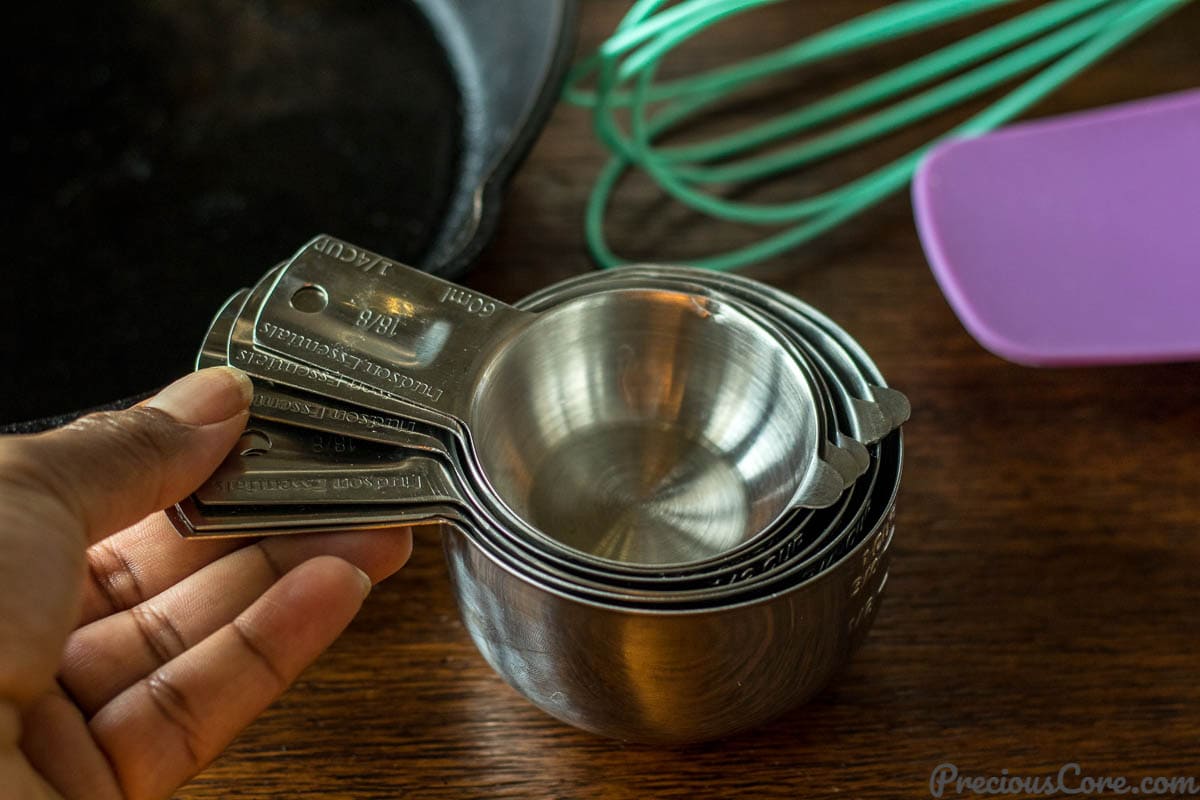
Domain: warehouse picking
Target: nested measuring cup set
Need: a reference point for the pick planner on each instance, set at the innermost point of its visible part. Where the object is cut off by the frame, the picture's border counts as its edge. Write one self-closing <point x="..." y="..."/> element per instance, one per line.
<point x="669" y="491"/>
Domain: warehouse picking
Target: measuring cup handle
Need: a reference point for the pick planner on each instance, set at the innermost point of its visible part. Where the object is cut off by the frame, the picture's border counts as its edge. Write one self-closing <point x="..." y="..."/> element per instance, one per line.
<point x="317" y="414"/>
<point x="185" y="517"/>
<point x="387" y="325"/>
<point x="255" y="475"/>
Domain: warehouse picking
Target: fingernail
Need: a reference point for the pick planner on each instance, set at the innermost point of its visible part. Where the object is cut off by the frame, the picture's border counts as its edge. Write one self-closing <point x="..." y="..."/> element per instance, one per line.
<point x="366" y="581"/>
<point x="202" y="398"/>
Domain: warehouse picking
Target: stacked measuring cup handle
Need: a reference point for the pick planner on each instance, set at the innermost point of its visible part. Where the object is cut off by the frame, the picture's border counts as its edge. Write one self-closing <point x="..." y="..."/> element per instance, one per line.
<point x="667" y="494"/>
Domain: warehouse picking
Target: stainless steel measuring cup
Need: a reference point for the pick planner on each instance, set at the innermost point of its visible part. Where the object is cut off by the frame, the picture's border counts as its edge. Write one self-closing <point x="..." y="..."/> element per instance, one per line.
<point x="626" y="655"/>
<point x="336" y="420"/>
<point x="231" y="348"/>
<point x="736" y="417"/>
<point x="282" y="468"/>
<point x="378" y="480"/>
<point x="266" y="366"/>
<point x="349" y="479"/>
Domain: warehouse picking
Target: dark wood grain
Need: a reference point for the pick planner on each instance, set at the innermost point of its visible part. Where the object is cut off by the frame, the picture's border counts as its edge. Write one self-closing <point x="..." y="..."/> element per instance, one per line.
<point x="1043" y="605"/>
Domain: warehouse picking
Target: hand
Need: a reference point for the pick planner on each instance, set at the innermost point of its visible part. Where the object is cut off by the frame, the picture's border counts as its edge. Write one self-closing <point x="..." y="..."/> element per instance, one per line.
<point x="163" y="649"/>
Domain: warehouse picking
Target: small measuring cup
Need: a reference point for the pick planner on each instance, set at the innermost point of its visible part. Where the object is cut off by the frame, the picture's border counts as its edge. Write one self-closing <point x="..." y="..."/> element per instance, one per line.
<point x="686" y="398"/>
<point x="341" y="422"/>
<point x="337" y="481"/>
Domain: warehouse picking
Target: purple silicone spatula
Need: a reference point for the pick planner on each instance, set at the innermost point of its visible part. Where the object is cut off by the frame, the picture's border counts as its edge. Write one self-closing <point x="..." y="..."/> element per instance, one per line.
<point x="1073" y="240"/>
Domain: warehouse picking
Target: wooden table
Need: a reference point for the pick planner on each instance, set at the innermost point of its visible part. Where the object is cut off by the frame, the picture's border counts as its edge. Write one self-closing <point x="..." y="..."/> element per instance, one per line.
<point x="1043" y="605"/>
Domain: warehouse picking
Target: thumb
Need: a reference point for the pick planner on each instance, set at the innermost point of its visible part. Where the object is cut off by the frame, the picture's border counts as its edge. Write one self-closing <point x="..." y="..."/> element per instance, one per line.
<point x="106" y="471"/>
<point x="63" y="489"/>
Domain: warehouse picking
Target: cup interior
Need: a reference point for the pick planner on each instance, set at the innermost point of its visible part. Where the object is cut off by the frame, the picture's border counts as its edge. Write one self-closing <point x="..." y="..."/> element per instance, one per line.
<point x="645" y="426"/>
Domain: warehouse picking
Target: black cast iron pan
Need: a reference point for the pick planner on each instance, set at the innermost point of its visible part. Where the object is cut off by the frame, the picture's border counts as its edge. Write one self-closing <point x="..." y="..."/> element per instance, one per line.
<point x="159" y="156"/>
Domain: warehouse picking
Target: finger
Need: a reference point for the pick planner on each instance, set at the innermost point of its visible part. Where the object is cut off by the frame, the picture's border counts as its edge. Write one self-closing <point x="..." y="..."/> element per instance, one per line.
<point x="104" y="658"/>
<point x="51" y="728"/>
<point x="168" y="726"/>
<point x="107" y="471"/>
<point x="134" y="565"/>
<point x="61" y="489"/>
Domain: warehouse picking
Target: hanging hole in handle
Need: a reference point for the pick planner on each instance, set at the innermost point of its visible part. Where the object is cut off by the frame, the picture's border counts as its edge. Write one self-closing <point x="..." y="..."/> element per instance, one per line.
<point x="254" y="443"/>
<point x="310" y="299"/>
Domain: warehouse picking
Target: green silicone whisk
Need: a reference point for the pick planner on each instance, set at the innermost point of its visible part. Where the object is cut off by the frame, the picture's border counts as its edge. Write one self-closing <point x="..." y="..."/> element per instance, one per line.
<point x="1051" y="44"/>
